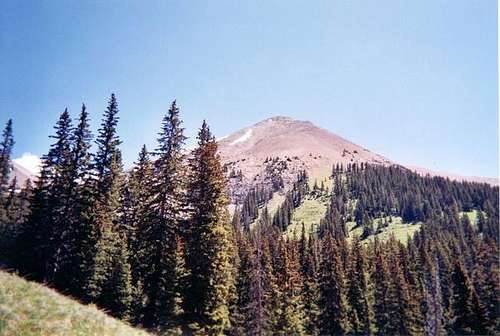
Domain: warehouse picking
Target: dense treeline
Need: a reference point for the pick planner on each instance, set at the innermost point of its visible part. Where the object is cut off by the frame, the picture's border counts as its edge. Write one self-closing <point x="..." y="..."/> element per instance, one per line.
<point x="156" y="246"/>
<point x="256" y="197"/>
<point x="364" y="192"/>
<point x="151" y="246"/>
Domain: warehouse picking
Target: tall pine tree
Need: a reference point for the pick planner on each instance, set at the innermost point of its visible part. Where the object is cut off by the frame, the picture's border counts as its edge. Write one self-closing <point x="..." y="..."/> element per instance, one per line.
<point x="162" y="228"/>
<point x="359" y="291"/>
<point x="208" y="241"/>
<point x="109" y="283"/>
<point x="6" y="147"/>
<point x="333" y="302"/>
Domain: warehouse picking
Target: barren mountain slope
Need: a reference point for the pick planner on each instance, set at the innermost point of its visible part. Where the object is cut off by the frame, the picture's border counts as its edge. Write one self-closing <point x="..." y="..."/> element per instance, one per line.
<point x="281" y="146"/>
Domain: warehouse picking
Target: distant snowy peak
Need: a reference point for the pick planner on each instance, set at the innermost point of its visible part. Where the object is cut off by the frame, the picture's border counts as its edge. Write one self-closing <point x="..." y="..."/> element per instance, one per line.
<point x="24" y="168"/>
<point x="30" y="162"/>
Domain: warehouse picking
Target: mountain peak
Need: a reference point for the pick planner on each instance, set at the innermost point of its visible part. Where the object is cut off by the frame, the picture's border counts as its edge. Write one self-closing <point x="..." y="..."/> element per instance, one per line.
<point x="289" y="146"/>
<point x="280" y="120"/>
<point x="285" y="146"/>
<point x="282" y="136"/>
<point x="279" y="117"/>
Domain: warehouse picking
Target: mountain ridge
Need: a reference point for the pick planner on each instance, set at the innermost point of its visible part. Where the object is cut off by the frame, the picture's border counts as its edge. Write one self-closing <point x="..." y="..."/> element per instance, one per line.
<point x="306" y="139"/>
<point x="299" y="145"/>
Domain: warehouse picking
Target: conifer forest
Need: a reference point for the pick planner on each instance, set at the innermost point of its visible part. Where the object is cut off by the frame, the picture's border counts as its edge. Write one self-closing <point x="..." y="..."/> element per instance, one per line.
<point x="159" y="247"/>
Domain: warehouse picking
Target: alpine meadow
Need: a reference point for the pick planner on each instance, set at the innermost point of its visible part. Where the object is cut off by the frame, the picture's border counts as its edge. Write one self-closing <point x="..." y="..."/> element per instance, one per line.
<point x="257" y="168"/>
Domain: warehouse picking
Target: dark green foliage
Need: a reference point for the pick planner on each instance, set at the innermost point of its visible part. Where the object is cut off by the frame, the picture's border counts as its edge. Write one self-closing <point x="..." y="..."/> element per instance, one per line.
<point x="42" y="245"/>
<point x="110" y="283"/>
<point x="487" y="286"/>
<point x="383" y="294"/>
<point x="135" y="197"/>
<point x="262" y="307"/>
<point x="283" y="216"/>
<point x="396" y="191"/>
<point x="80" y="236"/>
<point x="207" y="241"/>
<point x="109" y="275"/>
<point x="162" y="229"/>
<point x="107" y="146"/>
<point x="359" y="291"/>
<point x="334" y="319"/>
<point x="434" y="317"/>
<point x="468" y="313"/>
<point x="243" y="281"/>
<point x="309" y="267"/>
<point x="13" y="213"/>
<point x="255" y="198"/>
<point x="288" y="279"/>
<point x="404" y="312"/>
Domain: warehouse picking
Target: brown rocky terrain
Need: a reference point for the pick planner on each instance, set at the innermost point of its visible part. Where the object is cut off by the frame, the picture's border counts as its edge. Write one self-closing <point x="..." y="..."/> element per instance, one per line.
<point x="278" y="148"/>
<point x="273" y="151"/>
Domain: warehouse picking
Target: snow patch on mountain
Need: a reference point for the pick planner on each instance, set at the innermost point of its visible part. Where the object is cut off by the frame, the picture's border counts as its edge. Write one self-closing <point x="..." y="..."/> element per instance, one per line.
<point x="243" y="138"/>
<point x="30" y="162"/>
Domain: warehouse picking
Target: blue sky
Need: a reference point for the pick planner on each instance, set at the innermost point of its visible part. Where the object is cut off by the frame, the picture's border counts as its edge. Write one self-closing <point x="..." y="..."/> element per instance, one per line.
<point x="415" y="81"/>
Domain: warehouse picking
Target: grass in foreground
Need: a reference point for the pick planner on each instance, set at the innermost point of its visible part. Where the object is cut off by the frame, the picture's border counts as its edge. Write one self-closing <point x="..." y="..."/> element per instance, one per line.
<point x="28" y="308"/>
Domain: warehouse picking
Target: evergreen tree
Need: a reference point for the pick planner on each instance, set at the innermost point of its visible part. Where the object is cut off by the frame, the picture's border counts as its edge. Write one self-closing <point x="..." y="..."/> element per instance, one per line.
<point x="208" y="243"/>
<point x="382" y="294"/>
<point x="243" y="270"/>
<point x="404" y="312"/>
<point x="485" y="277"/>
<point x="135" y="198"/>
<point x="359" y="291"/>
<point x="40" y="243"/>
<point x="6" y="147"/>
<point x="333" y="302"/>
<point x="161" y="231"/>
<point x="310" y="288"/>
<point x="79" y="238"/>
<point x="58" y="224"/>
<point x="291" y="318"/>
<point x="107" y="145"/>
<point x="12" y="214"/>
<point x="433" y="300"/>
<point x="257" y="323"/>
<point x="109" y="284"/>
<point x="108" y="280"/>
<point x="468" y="312"/>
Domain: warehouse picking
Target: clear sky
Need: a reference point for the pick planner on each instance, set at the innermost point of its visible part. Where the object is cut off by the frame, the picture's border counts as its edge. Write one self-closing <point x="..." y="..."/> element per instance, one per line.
<point x="415" y="81"/>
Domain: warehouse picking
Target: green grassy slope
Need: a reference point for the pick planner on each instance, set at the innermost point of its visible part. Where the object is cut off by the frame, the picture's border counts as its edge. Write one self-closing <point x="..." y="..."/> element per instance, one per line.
<point x="473" y="216"/>
<point x="272" y="206"/>
<point x="401" y="231"/>
<point x="28" y="308"/>
<point x="310" y="212"/>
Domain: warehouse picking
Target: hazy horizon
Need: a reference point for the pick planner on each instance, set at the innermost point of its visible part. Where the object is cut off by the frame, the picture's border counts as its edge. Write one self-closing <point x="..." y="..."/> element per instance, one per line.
<point x="414" y="82"/>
